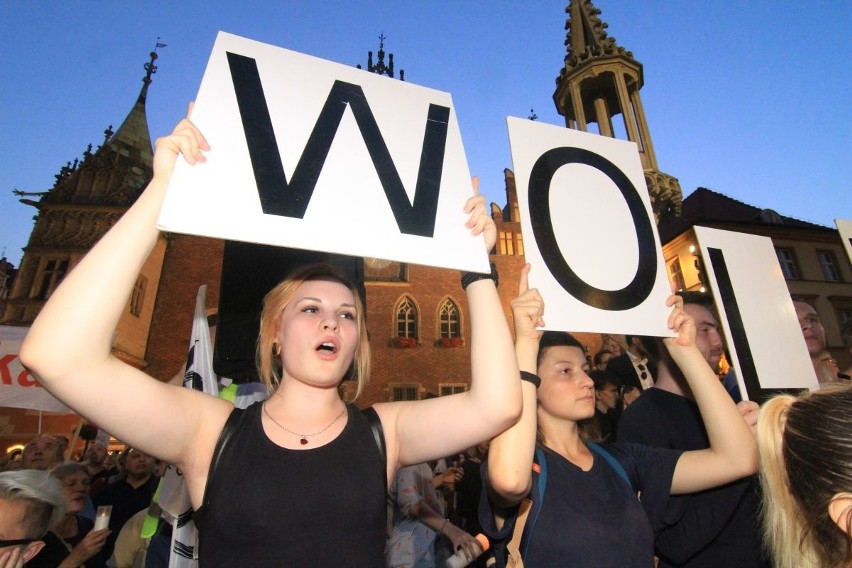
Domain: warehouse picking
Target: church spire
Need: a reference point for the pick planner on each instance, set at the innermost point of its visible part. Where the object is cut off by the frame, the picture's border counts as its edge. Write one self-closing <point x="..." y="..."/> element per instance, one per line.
<point x="133" y="138"/>
<point x="380" y="68"/>
<point x="600" y="81"/>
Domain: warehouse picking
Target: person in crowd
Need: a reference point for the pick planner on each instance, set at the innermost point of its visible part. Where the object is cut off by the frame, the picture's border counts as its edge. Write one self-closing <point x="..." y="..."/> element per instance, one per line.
<point x="589" y="511"/>
<point x="72" y="542"/>
<point x="308" y="454"/>
<point x="418" y="522"/>
<point x="601" y="359"/>
<point x="634" y="367"/>
<point x="718" y="526"/>
<point x="828" y="370"/>
<point x="846" y="337"/>
<point x="128" y="494"/>
<point x="42" y="452"/>
<point x="469" y="487"/>
<point x="611" y="344"/>
<point x="608" y="405"/>
<point x="806" y="475"/>
<point x="31" y="502"/>
<point x="814" y="334"/>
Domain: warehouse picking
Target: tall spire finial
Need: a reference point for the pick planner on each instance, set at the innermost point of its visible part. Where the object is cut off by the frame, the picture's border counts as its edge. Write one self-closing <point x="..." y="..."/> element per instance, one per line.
<point x="380" y="68"/>
<point x="150" y="68"/>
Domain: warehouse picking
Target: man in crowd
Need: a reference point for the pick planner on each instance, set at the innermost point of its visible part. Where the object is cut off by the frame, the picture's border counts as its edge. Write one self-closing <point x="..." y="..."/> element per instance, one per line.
<point x="128" y="494"/>
<point x="42" y="452"/>
<point x="634" y="368"/>
<point x="31" y="502"/>
<point x="717" y="527"/>
<point x="607" y="403"/>
<point x="814" y="334"/>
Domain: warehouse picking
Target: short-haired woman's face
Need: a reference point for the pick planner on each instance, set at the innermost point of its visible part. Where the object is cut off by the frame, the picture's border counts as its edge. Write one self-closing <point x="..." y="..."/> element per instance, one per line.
<point x="75" y="486"/>
<point x="566" y="389"/>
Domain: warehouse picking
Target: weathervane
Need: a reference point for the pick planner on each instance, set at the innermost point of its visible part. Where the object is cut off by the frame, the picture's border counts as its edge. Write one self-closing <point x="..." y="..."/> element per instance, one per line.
<point x="150" y="68"/>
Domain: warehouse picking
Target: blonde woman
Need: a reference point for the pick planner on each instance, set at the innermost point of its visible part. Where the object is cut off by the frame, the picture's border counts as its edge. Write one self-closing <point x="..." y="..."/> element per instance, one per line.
<point x="303" y="480"/>
<point x="805" y="448"/>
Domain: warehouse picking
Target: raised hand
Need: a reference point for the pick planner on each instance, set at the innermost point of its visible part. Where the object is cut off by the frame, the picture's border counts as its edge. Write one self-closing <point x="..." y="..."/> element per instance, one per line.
<point x="186" y="140"/>
<point x="681" y="323"/>
<point x="480" y="221"/>
<point x="527" y="309"/>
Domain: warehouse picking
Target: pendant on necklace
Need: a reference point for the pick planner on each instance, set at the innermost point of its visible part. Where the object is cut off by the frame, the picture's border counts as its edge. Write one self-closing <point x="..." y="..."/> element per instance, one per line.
<point x="304" y="441"/>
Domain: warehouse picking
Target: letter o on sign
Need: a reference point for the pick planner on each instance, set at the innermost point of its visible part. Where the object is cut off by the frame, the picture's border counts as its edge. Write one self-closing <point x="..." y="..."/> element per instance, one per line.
<point x="539" y="204"/>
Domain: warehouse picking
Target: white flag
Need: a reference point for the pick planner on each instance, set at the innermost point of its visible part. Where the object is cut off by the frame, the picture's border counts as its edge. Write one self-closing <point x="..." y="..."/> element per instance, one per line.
<point x="174" y="497"/>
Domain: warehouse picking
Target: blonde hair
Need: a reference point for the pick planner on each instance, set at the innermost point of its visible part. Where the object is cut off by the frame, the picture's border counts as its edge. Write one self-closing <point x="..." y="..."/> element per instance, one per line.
<point x="276" y="300"/>
<point x="805" y="446"/>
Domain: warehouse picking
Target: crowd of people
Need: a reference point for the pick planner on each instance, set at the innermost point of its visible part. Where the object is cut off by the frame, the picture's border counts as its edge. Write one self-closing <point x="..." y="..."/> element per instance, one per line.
<point x="650" y="458"/>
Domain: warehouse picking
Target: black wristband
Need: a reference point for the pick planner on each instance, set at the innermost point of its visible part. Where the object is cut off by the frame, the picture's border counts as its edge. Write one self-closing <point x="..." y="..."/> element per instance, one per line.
<point x="469" y="278"/>
<point x="531" y="378"/>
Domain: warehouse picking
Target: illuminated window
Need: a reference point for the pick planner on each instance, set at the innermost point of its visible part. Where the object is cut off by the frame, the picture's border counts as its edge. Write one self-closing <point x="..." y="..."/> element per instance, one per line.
<point x="520" y="244"/>
<point x="507" y="247"/>
<point x="675" y="273"/>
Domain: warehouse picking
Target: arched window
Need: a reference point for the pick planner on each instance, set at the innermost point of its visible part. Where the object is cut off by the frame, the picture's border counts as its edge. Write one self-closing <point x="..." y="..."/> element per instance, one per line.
<point x="406" y="318"/>
<point x="448" y="316"/>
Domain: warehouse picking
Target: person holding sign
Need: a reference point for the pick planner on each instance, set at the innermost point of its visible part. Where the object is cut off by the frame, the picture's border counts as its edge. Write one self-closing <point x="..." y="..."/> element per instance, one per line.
<point x="312" y="476"/>
<point x="806" y="474"/>
<point x="594" y="505"/>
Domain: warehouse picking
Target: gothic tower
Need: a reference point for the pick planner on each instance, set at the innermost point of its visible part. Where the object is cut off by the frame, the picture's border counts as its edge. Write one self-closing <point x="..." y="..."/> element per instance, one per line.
<point x="88" y="197"/>
<point x="601" y="81"/>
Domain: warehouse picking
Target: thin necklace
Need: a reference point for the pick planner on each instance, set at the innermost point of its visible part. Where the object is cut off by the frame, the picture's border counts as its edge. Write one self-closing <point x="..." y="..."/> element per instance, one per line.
<point x="303" y="438"/>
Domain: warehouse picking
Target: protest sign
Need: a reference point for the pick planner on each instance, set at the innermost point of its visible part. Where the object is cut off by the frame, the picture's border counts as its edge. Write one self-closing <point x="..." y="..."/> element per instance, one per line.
<point x="760" y="324"/>
<point x="18" y="389"/>
<point x="306" y="153"/>
<point x="589" y="231"/>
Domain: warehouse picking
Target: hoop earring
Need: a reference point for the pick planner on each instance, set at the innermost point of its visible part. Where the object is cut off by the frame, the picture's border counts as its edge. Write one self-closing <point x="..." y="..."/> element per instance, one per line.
<point x="276" y="348"/>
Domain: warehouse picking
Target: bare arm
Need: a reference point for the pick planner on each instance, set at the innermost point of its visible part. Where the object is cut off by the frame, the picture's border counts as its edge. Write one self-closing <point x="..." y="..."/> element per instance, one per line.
<point x="510" y="455"/>
<point x="423" y="430"/>
<point x="733" y="450"/>
<point x="69" y="345"/>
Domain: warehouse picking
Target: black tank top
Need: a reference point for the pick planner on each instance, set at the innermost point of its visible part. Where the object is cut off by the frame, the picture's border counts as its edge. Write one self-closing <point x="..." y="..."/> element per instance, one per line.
<point x="271" y="506"/>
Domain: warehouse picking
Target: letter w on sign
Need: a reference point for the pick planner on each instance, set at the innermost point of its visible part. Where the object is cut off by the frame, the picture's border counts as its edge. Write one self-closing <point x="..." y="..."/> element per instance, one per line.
<point x="277" y="197"/>
<point x="310" y="154"/>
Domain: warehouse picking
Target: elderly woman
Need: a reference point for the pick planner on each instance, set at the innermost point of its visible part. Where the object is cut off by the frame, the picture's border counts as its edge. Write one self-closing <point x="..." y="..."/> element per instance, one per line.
<point x="72" y="542"/>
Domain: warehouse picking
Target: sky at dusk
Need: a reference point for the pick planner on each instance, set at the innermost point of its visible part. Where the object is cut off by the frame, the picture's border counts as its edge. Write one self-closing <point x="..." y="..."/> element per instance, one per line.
<point x="749" y="98"/>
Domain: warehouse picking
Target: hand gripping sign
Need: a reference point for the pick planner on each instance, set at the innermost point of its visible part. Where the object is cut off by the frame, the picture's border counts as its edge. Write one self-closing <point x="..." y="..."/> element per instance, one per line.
<point x="589" y="232"/>
<point x="307" y="154"/>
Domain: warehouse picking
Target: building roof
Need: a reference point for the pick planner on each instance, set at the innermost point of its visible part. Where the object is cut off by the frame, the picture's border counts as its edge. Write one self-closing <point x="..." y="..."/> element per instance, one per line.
<point x="706" y="207"/>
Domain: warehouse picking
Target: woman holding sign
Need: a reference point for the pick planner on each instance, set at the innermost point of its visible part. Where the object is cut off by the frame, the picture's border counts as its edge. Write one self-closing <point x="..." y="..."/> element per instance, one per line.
<point x="301" y="480"/>
<point x="596" y="505"/>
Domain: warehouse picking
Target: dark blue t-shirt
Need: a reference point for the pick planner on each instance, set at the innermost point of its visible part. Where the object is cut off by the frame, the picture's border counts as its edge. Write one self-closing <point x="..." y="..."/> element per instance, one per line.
<point x="594" y="518"/>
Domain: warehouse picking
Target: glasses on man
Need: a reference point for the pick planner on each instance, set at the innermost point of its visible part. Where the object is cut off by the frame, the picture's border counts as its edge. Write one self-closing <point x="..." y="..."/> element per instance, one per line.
<point x="642" y="371"/>
<point x="16" y="542"/>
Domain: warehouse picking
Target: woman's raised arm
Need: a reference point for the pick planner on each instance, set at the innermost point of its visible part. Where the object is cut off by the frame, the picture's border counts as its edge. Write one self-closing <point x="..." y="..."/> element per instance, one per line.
<point x="420" y="431"/>
<point x="510" y="455"/>
<point x="68" y="348"/>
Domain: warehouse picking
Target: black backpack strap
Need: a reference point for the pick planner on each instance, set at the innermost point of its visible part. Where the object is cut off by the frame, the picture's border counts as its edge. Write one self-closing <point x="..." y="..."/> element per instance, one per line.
<point x="379" y="435"/>
<point x="224" y="437"/>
